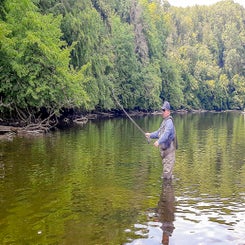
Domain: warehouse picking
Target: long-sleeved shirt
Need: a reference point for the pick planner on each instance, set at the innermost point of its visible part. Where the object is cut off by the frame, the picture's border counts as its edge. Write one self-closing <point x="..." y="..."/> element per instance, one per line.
<point x="166" y="133"/>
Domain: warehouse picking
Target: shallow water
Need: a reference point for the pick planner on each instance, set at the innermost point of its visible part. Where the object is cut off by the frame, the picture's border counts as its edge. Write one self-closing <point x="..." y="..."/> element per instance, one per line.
<point x="101" y="184"/>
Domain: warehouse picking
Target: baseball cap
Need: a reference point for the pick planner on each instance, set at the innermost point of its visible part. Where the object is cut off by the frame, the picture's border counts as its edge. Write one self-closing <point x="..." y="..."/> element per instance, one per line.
<point x="166" y="106"/>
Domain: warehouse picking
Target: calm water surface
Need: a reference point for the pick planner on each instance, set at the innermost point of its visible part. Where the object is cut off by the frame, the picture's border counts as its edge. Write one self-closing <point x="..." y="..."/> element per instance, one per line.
<point x="101" y="184"/>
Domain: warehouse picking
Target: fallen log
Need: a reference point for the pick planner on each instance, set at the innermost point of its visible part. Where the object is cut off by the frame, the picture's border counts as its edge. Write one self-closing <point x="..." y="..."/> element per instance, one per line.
<point x="81" y="120"/>
<point x="9" y="129"/>
<point x="7" y="132"/>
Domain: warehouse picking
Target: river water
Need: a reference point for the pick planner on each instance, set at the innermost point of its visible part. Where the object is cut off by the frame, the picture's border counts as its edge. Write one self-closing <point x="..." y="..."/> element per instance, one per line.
<point x="101" y="184"/>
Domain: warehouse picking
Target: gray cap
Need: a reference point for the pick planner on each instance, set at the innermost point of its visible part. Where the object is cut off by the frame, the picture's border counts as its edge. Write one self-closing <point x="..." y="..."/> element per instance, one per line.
<point x="166" y="106"/>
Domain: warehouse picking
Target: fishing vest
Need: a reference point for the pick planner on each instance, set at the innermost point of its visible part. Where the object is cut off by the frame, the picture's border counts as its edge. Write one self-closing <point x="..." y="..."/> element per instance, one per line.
<point x="169" y="141"/>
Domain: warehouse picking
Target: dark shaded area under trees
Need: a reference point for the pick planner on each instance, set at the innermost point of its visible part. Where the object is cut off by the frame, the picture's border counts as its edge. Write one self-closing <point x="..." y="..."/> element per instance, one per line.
<point x="62" y="57"/>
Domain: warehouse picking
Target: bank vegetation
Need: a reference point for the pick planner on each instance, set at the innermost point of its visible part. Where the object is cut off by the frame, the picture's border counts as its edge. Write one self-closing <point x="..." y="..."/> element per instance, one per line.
<point x="60" y="57"/>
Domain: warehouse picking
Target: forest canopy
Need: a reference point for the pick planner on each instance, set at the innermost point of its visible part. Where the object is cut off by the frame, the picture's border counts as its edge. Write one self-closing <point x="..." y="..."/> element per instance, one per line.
<point x="62" y="54"/>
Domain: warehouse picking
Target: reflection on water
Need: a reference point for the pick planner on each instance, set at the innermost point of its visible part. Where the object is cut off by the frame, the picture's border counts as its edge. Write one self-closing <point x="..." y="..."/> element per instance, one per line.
<point x="160" y="220"/>
<point x="101" y="184"/>
<point x="166" y="209"/>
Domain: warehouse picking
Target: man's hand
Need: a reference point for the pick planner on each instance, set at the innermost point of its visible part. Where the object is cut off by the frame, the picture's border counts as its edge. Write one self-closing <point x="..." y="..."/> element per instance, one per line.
<point x="156" y="143"/>
<point x="147" y="135"/>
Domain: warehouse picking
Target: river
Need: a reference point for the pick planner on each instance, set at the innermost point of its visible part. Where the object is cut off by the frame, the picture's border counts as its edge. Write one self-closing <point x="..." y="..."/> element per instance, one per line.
<point x="101" y="184"/>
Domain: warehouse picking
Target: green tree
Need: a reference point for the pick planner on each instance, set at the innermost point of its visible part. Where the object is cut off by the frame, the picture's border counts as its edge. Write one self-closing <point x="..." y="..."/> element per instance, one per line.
<point x="125" y="71"/>
<point x="35" y="73"/>
<point x="237" y="88"/>
<point x="206" y="42"/>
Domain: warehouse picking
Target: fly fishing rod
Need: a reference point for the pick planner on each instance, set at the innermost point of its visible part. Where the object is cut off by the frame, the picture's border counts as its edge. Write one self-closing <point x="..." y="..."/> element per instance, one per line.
<point x="131" y="119"/>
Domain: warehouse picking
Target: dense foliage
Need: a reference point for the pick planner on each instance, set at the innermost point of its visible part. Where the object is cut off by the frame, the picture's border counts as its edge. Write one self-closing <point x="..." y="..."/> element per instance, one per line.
<point x="58" y="54"/>
<point x="208" y="44"/>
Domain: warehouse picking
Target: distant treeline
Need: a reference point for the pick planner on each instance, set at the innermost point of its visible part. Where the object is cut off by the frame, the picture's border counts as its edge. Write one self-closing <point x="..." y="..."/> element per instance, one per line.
<point x="61" y="54"/>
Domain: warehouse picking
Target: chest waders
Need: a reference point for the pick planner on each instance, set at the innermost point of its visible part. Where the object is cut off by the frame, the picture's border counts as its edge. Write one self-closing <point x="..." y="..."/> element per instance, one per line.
<point x="167" y="151"/>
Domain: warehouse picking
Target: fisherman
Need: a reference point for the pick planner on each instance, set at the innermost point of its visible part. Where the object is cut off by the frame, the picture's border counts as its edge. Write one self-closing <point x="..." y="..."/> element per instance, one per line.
<point x="166" y="141"/>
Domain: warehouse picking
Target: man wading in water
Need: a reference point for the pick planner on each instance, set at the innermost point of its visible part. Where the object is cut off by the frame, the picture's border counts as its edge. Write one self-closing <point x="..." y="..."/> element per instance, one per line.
<point x="167" y="141"/>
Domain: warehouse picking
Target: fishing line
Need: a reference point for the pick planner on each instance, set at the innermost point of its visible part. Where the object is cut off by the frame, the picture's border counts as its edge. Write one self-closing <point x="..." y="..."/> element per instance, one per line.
<point x="131" y="119"/>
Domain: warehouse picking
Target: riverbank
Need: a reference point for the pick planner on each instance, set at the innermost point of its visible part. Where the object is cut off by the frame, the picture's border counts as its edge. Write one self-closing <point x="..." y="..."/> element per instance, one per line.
<point x="9" y="129"/>
<point x="66" y="120"/>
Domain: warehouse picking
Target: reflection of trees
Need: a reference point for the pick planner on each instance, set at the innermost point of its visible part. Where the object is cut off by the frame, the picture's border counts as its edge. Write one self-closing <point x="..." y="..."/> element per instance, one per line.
<point x="166" y="209"/>
<point x="208" y="143"/>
